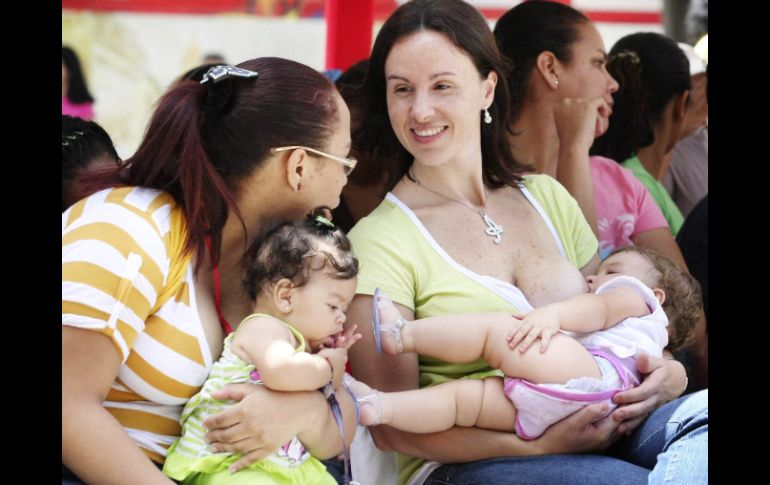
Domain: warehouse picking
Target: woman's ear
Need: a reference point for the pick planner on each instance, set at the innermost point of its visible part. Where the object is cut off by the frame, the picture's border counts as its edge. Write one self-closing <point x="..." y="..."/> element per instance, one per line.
<point x="490" y="83"/>
<point x="296" y="167"/>
<point x="680" y="105"/>
<point x="548" y="67"/>
<point x="677" y="117"/>
<point x="283" y="294"/>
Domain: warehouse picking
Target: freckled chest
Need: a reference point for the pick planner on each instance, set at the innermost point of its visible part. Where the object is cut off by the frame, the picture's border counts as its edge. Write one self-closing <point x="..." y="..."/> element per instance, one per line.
<point x="527" y="255"/>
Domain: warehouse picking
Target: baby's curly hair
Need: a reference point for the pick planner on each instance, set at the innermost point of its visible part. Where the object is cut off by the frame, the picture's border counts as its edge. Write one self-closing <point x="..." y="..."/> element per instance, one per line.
<point x="289" y="249"/>
<point x="683" y="304"/>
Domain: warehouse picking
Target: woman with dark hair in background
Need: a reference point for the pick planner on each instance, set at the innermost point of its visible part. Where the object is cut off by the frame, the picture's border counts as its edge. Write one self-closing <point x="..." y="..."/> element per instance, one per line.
<point x="465" y="230"/>
<point x="153" y="266"/>
<point x="649" y="111"/>
<point x="76" y="100"/>
<point x="85" y="147"/>
<point x="562" y="100"/>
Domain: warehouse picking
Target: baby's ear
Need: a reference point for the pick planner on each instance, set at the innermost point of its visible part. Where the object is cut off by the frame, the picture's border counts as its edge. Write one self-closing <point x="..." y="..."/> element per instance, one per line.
<point x="283" y="293"/>
<point x="659" y="294"/>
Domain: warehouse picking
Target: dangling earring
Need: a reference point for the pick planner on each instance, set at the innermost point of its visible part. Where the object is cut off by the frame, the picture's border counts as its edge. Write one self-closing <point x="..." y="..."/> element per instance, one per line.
<point x="487" y="116"/>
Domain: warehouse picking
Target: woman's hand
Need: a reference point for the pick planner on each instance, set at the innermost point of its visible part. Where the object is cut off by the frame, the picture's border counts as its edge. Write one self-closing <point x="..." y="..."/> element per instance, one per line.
<point x="261" y="421"/>
<point x="584" y="431"/>
<point x="579" y="121"/>
<point x="665" y="379"/>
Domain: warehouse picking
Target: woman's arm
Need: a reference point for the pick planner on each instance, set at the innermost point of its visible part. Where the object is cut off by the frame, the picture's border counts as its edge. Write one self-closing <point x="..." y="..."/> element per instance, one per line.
<point x="592" y="266"/>
<point x="457" y="445"/>
<point x="90" y="364"/>
<point x="263" y="420"/>
<point x="662" y="242"/>
<point x="577" y="124"/>
<point x="665" y="379"/>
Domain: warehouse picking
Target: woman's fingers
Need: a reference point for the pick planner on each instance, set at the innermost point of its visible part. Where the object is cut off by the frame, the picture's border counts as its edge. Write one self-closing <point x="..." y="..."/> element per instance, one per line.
<point x="627" y="426"/>
<point x="233" y="392"/>
<point x="227" y="439"/>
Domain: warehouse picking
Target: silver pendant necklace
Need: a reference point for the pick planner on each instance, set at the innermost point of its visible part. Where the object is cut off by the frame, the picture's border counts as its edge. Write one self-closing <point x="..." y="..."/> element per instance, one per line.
<point x="493" y="229"/>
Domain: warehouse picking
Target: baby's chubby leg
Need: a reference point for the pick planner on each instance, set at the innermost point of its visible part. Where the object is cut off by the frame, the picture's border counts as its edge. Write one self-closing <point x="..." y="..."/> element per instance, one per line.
<point x="468" y="402"/>
<point x="453" y="338"/>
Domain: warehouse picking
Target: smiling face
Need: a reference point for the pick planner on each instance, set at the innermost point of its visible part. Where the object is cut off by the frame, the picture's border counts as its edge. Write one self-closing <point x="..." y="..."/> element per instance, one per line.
<point x="435" y="96"/>
<point x="586" y="76"/>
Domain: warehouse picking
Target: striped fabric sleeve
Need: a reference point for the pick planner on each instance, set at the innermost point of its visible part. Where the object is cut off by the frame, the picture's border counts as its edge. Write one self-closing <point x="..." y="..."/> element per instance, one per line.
<point x="114" y="263"/>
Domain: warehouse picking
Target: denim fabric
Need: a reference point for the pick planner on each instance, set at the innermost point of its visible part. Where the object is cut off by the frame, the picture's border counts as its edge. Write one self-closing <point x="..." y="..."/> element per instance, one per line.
<point x="672" y="442"/>
<point x="542" y="470"/>
<point x="336" y="468"/>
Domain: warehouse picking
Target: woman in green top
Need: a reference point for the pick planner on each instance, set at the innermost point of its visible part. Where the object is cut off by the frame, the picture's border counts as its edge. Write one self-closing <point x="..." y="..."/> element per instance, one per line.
<point x="463" y="230"/>
<point x="649" y="112"/>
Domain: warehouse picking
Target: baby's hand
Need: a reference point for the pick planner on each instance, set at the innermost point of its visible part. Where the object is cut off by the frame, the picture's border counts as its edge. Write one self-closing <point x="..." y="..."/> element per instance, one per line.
<point x="344" y="339"/>
<point x="337" y="358"/>
<point x="347" y="338"/>
<point x="539" y="323"/>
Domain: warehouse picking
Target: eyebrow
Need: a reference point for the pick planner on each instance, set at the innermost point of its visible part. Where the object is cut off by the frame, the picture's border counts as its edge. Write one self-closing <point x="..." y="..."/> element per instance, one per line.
<point x="610" y="266"/>
<point x="603" y="54"/>
<point x="432" y="76"/>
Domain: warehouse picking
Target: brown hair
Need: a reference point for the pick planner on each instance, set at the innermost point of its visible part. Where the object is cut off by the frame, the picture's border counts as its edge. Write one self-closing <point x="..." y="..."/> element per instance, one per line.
<point x="683" y="304"/>
<point x="285" y="252"/>
<point x="205" y="140"/>
<point x="467" y="29"/>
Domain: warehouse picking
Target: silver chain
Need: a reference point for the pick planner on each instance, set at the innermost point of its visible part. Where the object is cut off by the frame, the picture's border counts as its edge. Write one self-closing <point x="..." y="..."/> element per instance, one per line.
<point x="492" y="229"/>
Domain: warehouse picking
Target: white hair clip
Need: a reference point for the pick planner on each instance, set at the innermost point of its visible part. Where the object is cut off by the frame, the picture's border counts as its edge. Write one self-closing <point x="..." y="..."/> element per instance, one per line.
<point x="222" y="72"/>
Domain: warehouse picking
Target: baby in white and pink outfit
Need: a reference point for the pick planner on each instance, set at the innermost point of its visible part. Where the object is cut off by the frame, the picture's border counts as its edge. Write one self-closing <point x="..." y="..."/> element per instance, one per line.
<point x="638" y="302"/>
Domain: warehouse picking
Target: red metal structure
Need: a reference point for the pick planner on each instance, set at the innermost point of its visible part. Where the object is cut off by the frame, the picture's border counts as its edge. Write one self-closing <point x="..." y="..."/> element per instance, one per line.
<point x="348" y="32"/>
<point x="349" y="23"/>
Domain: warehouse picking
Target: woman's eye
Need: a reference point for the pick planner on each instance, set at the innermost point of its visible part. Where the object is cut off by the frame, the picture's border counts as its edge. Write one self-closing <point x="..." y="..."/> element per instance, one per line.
<point x="401" y="89"/>
<point x="442" y="87"/>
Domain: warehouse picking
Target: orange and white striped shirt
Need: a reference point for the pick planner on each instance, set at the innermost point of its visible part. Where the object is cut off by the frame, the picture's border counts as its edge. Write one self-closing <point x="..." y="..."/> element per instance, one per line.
<point x="124" y="274"/>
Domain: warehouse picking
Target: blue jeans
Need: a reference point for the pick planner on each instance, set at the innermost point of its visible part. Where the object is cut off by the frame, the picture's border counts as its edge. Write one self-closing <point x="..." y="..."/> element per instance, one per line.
<point x="336" y="468"/>
<point x="671" y="446"/>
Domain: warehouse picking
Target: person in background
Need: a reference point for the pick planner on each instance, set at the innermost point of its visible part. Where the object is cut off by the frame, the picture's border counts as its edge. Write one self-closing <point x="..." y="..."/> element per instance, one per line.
<point x="561" y="101"/>
<point x="366" y="187"/>
<point x="85" y="147"/>
<point x="687" y="179"/>
<point x="76" y="100"/>
<point x="213" y="58"/>
<point x="649" y="112"/>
